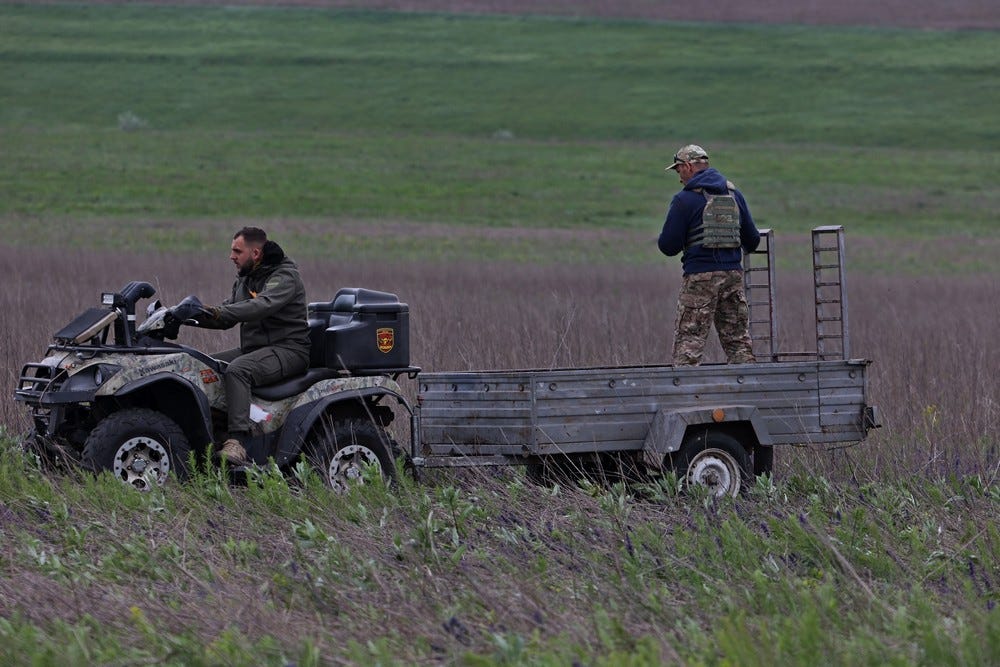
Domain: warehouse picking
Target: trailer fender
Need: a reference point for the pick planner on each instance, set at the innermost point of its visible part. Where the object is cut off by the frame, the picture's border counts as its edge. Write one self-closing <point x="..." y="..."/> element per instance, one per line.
<point x="666" y="432"/>
<point x="301" y="420"/>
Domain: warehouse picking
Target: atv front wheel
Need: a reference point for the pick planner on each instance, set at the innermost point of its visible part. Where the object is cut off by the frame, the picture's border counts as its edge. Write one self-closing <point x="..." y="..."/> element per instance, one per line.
<point x="340" y="451"/>
<point x="140" y="446"/>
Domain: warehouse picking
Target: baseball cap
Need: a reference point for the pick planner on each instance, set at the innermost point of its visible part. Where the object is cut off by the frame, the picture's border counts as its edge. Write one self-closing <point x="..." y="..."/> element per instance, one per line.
<point x="688" y="153"/>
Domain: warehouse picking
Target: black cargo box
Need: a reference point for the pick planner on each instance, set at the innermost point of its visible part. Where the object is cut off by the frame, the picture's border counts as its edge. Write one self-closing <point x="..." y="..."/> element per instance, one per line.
<point x="361" y="329"/>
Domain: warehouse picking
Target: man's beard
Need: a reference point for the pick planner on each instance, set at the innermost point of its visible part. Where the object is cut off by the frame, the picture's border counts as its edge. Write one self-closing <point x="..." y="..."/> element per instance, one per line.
<point x="246" y="269"/>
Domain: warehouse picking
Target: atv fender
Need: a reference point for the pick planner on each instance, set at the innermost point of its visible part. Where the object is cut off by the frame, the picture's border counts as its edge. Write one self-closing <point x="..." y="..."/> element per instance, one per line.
<point x="177" y="398"/>
<point x="301" y="420"/>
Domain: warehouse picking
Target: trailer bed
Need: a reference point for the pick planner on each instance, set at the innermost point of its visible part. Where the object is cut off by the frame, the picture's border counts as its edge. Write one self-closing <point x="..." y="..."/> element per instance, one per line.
<point x="708" y="423"/>
<point x="563" y="411"/>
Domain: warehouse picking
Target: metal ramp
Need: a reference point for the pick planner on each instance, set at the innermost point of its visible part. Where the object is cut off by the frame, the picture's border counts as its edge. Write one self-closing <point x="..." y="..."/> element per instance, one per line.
<point x="832" y="340"/>
<point x="758" y="281"/>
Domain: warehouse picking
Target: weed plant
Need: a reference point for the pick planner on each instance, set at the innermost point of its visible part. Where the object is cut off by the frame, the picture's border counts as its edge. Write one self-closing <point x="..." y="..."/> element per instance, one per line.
<point x="483" y="568"/>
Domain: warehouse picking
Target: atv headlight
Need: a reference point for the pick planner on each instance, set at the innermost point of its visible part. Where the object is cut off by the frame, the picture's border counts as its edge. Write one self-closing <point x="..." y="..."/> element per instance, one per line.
<point x="99" y="376"/>
<point x="90" y="379"/>
<point x="104" y="373"/>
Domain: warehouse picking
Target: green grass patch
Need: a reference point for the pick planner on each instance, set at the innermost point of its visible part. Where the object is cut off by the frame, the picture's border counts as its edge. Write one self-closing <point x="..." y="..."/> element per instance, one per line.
<point x="120" y="114"/>
<point x="483" y="569"/>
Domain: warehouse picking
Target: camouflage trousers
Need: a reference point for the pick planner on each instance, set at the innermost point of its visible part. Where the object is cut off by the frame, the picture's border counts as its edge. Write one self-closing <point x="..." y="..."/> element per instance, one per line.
<point x="705" y="298"/>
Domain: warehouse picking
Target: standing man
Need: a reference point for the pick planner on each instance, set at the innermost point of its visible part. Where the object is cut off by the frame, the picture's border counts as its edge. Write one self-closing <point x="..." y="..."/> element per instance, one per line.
<point x="269" y="304"/>
<point x="710" y="222"/>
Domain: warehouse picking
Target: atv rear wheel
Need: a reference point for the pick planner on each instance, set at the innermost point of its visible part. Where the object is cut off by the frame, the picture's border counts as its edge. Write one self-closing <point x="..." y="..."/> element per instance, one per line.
<point x="140" y="446"/>
<point x="340" y="451"/>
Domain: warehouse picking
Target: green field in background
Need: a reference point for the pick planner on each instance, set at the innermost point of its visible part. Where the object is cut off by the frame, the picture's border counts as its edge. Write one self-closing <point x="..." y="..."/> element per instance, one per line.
<point x="361" y="136"/>
<point x="119" y="114"/>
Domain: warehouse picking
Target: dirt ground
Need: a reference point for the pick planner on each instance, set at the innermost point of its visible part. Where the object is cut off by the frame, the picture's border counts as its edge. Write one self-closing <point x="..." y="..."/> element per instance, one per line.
<point x="930" y="14"/>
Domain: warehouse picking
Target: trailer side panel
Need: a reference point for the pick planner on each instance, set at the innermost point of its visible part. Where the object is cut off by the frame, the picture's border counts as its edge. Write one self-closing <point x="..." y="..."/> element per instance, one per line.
<point x="540" y="412"/>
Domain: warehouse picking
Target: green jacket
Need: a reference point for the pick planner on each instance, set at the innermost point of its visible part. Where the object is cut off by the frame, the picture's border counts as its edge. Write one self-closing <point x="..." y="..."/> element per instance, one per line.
<point x="269" y="304"/>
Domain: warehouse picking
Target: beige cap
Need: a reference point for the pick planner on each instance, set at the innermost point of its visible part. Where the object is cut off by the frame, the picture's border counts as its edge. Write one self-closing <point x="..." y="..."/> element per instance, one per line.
<point x="689" y="153"/>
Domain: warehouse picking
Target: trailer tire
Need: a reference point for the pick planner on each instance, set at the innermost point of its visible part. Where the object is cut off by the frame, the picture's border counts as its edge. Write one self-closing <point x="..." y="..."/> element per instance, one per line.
<point x="715" y="460"/>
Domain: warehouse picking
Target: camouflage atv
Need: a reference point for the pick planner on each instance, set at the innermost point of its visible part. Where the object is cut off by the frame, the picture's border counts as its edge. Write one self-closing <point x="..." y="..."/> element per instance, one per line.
<point x="113" y="396"/>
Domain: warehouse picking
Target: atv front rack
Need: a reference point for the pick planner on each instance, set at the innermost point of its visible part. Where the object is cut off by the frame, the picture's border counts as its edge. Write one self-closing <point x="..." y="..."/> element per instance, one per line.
<point x="35" y="381"/>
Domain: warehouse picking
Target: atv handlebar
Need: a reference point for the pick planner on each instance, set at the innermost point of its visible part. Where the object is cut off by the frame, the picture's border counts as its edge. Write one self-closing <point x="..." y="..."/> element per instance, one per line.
<point x="189" y="308"/>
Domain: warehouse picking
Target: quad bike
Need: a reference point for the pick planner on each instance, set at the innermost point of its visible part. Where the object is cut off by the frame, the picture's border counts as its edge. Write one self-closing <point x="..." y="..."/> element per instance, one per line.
<point x="110" y="395"/>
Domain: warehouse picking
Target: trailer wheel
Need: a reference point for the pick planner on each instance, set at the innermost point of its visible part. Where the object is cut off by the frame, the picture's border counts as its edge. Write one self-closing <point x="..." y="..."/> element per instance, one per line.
<point x="715" y="460"/>
<point x="140" y="446"/>
<point x="340" y="451"/>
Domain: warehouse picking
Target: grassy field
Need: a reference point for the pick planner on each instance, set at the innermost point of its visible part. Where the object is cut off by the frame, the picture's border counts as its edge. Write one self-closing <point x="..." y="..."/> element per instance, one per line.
<point x="504" y="177"/>
<point x="484" y="570"/>
<point x="123" y="114"/>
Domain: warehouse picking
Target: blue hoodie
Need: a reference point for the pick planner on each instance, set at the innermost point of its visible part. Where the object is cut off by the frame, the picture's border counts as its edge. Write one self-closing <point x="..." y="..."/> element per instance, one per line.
<point x="685" y="212"/>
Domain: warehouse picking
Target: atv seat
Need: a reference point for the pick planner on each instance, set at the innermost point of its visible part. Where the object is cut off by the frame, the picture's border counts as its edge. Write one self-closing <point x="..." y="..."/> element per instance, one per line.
<point x="294" y="385"/>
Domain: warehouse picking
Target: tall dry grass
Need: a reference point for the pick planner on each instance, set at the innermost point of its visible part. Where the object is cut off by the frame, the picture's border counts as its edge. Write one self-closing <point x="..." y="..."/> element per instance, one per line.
<point x="932" y="338"/>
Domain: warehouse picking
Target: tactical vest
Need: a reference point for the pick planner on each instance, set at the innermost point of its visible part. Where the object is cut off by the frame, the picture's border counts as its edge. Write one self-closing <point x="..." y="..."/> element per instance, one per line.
<point x="720" y="222"/>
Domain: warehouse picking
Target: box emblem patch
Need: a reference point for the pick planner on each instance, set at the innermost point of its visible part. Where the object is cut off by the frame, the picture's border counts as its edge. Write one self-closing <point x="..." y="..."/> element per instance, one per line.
<point x="386" y="338"/>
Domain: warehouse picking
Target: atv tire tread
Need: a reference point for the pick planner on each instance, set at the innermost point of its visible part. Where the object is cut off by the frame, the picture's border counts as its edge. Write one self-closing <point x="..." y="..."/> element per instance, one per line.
<point x="104" y="441"/>
<point x="330" y="437"/>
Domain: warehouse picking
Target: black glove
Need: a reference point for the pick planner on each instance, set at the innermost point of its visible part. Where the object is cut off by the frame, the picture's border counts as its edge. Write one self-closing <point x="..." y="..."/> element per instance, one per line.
<point x="189" y="308"/>
<point x="171" y="326"/>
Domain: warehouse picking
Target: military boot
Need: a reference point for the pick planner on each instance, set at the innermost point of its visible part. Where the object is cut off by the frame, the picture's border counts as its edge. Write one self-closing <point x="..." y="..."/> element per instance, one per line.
<point x="233" y="452"/>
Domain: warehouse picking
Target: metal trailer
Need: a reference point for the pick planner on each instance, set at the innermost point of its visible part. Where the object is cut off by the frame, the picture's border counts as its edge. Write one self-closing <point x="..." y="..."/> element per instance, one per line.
<point x="714" y="424"/>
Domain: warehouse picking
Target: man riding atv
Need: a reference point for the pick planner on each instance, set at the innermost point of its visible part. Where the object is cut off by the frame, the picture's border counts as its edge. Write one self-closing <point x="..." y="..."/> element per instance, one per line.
<point x="269" y="304"/>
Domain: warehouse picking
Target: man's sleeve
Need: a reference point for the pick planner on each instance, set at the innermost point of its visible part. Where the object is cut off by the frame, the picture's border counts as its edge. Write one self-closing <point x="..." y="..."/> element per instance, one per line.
<point x="674" y="231"/>
<point x="213" y="318"/>
<point x="278" y="291"/>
